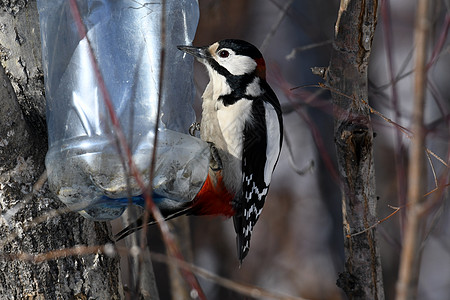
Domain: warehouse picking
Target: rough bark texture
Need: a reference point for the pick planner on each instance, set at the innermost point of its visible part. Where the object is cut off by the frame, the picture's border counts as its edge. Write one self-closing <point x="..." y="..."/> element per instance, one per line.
<point x="23" y="145"/>
<point x="347" y="76"/>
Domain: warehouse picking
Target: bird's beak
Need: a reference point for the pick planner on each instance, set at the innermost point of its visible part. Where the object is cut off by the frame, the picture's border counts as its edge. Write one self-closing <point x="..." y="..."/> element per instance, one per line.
<point x="198" y="52"/>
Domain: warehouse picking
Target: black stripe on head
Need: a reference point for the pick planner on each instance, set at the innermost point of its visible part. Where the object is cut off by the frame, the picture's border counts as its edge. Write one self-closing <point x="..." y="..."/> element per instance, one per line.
<point x="240" y="47"/>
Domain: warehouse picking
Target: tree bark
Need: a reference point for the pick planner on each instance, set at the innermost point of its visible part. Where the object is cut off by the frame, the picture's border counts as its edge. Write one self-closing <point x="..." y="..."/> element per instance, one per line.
<point x="347" y="77"/>
<point x="23" y="144"/>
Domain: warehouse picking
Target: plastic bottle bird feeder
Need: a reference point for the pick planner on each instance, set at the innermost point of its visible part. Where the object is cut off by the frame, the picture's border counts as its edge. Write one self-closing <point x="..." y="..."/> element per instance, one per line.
<point x="87" y="168"/>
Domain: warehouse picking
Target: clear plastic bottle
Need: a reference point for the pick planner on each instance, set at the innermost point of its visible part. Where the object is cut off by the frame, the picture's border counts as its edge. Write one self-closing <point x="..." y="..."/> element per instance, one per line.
<point x="85" y="168"/>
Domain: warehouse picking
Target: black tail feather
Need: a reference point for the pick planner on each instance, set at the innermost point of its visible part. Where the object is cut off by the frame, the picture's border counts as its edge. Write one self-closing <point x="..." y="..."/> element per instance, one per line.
<point x="139" y="223"/>
<point x="241" y="239"/>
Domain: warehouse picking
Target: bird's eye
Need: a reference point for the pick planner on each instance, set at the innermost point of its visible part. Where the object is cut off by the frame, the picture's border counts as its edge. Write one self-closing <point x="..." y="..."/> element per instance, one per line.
<point x="224" y="53"/>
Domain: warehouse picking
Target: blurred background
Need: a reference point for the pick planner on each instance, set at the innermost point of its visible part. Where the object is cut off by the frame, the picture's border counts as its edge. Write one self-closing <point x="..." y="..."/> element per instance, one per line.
<point x="297" y="245"/>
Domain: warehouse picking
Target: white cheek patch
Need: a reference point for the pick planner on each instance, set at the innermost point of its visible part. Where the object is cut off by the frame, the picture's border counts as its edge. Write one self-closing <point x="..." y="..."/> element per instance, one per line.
<point x="238" y="64"/>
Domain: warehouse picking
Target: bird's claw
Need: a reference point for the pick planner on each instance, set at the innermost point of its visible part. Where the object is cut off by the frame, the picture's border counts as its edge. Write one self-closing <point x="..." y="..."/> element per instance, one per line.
<point x="215" y="162"/>
<point x="194" y="128"/>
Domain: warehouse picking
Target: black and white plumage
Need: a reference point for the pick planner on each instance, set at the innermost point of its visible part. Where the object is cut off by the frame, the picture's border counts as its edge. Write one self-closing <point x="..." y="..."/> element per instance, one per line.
<point x="241" y="116"/>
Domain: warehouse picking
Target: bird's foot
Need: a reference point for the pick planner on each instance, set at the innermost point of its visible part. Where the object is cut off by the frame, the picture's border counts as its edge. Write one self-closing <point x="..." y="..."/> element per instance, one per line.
<point x="194" y="128"/>
<point x="215" y="163"/>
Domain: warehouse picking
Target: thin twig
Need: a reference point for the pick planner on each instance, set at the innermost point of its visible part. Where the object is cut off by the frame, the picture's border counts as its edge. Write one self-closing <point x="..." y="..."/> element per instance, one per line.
<point x="396" y="210"/>
<point x="162" y="58"/>
<point x="409" y="259"/>
<point x="275" y="26"/>
<point x="149" y="204"/>
<point x="294" y="167"/>
<point x="60" y="253"/>
<point x="408" y="133"/>
<point x="294" y="51"/>
<point x="437" y="157"/>
<point x="314" y="132"/>
<point x="441" y="41"/>
<point x="243" y="289"/>
<point x="398" y="155"/>
<point x="112" y="250"/>
<point x="432" y="170"/>
<point x="405" y="131"/>
<point x="107" y="99"/>
<point x="438" y="51"/>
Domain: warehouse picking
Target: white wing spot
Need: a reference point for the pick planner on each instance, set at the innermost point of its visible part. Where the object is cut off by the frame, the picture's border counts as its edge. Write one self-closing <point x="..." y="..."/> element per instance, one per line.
<point x="248" y="179"/>
<point x="254" y="88"/>
<point x="260" y="194"/>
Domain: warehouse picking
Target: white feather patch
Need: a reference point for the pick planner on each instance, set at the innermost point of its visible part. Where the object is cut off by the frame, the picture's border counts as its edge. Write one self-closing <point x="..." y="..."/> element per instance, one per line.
<point x="254" y="88"/>
<point x="219" y="83"/>
<point x="232" y="119"/>
<point x="273" y="141"/>
<point x="236" y="64"/>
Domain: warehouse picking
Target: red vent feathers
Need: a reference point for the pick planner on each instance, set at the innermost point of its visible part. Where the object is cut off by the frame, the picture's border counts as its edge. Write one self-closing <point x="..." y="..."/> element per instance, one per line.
<point x="213" y="199"/>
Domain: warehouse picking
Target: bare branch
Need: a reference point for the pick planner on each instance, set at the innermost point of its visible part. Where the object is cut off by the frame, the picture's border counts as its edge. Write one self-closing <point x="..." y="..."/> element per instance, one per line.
<point x="347" y="74"/>
<point x="410" y="257"/>
<point x="275" y="26"/>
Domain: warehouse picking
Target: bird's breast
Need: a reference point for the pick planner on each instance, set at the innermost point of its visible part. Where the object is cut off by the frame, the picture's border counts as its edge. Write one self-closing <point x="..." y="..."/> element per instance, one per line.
<point x="224" y="126"/>
<point x="232" y="120"/>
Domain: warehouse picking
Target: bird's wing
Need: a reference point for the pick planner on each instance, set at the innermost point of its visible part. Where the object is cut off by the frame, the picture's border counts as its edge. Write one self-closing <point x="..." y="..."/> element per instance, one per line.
<point x="262" y="143"/>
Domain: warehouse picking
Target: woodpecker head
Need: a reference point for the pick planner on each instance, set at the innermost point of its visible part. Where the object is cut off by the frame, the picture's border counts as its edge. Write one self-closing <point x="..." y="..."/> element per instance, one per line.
<point x="230" y="58"/>
<point x="236" y="70"/>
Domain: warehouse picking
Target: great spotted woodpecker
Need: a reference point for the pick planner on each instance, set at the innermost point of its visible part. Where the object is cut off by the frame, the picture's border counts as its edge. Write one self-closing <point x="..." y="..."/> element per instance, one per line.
<point x="241" y="119"/>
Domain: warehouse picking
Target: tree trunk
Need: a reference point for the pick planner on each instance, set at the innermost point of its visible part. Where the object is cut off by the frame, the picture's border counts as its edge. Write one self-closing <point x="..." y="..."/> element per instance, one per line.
<point x="24" y="227"/>
<point x="347" y="77"/>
